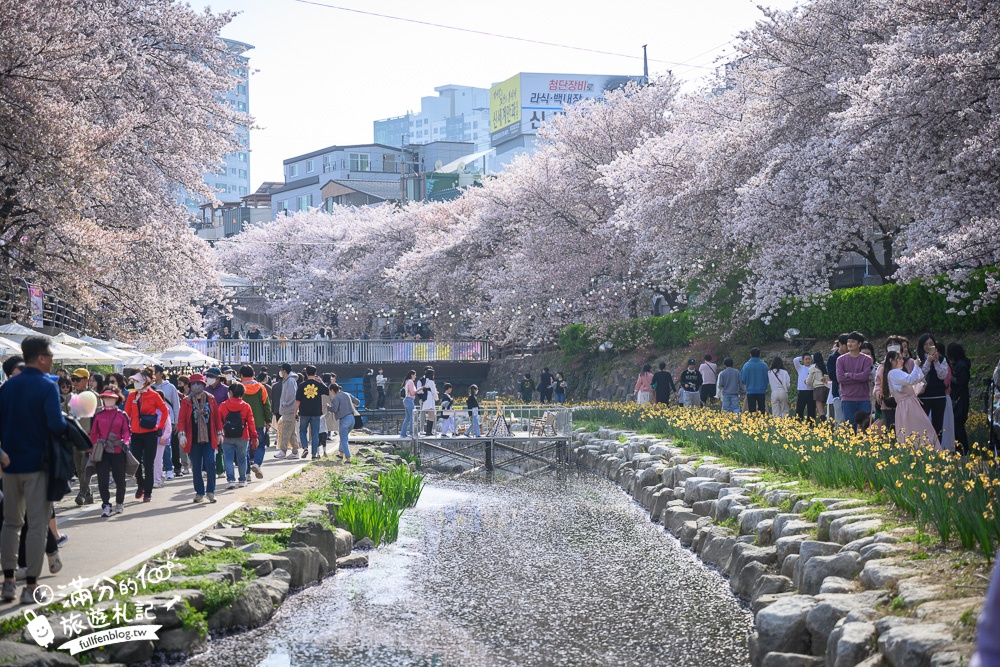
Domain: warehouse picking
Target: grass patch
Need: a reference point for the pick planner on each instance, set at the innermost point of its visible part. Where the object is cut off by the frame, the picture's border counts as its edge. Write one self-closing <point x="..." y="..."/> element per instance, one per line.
<point x="813" y="512"/>
<point x="219" y="594"/>
<point x="209" y="561"/>
<point x="13" y="624"/>
<point x="192" y="619"/>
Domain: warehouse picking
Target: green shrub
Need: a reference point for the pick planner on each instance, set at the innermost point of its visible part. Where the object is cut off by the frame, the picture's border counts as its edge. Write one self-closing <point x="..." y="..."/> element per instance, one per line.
<point x="369" y="516"/>
<point x="576" y="339"/>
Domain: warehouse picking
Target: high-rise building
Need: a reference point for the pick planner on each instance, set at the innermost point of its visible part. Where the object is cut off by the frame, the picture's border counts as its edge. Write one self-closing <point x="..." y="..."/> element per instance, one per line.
<point x="232" y="180"/>
<point x="457" y="114"/>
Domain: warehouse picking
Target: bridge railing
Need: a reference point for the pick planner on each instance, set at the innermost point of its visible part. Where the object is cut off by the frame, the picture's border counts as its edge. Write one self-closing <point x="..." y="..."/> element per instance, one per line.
<point x="341" y="352"/>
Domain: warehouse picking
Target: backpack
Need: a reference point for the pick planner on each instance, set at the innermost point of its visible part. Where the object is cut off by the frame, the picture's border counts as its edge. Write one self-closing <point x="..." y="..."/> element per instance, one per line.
<point x="233" y="426"/>
<point x="422" y="392"/>
<point x="402" y="391"/>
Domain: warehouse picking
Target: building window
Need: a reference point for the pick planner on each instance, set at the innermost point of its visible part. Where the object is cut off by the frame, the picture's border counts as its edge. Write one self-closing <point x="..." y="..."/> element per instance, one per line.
<point x="293" y="170"/>
<point x="241" y="89"/>
<point x="244" y="190"/>
<point x="233" y="171"/>
<point x="243" y="157"/>
<point x="309" y="166"/>
<point x="243" y="173"/>
<point x="359" y="162"/>
<point x="241" y="106"/>
<point x="475" y="124"/>
<point x="221" y="187"/>
<point x="304" y="202"/>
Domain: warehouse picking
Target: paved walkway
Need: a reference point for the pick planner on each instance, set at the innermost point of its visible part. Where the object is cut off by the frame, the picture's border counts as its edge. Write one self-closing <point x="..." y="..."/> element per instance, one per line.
<point x="99" y="547"/>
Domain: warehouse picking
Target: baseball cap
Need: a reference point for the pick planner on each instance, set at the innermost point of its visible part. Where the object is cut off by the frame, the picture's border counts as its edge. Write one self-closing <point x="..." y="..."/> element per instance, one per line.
<point x="213" y="372"/>
<point x="81" y="373"/>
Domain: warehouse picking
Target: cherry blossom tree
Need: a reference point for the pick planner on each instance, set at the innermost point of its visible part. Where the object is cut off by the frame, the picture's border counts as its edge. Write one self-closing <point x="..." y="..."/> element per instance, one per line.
<point x="109" y="110"/>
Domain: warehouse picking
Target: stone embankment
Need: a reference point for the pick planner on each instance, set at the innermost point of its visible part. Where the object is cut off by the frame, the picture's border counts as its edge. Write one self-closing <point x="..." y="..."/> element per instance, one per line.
<point x="822" y="591"/>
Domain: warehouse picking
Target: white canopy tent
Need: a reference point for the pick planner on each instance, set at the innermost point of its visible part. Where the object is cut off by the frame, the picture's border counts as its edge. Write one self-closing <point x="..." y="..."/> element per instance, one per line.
<point x="15" y="331"/>
<point x="185" y="355"/>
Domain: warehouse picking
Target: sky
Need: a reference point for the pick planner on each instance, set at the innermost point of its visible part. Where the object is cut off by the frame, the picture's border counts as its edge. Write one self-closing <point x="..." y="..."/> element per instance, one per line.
<point x="320" y="76"/>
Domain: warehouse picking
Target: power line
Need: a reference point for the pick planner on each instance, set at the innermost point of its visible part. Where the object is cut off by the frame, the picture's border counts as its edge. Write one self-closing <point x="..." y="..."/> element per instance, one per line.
<point x="496" y="35"/>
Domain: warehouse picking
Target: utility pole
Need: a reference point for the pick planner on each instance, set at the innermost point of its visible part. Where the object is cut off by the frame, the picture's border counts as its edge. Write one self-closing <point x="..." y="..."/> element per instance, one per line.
<point x="645" y="66"/>
<point x="402" y="169"/>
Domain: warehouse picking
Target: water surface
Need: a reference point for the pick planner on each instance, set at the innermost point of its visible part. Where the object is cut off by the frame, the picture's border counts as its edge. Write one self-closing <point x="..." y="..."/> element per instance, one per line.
<point x="557" y="569"/>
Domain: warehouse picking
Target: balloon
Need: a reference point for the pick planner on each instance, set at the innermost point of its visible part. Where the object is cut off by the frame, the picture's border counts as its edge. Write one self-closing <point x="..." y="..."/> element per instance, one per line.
<point x="83" y="405"/>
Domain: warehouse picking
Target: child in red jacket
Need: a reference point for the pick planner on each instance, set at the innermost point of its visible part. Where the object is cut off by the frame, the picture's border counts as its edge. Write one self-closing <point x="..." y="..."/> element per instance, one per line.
<point x="239" y="434"/>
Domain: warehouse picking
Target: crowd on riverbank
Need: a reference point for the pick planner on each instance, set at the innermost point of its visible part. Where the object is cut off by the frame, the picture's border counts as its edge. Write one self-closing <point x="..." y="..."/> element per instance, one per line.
<point x="920" y="395"/>
<point x="87" y="429"/>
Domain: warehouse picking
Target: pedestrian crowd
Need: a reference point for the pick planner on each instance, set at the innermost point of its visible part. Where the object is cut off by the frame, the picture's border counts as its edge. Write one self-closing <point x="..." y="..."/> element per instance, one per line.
<point x="921" y="395"/>
<point x="144" y="428"/>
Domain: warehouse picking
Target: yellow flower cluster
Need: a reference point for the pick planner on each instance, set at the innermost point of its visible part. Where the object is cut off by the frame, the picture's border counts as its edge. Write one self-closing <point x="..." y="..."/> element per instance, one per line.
<point x="956" y="495"/>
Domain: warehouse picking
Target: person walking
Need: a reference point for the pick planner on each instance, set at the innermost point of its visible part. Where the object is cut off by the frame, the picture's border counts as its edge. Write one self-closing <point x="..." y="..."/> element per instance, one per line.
<point x="754" y="378"/>
<point x="472" y="405"/>
<point x="80" y="379"/>
<point x="343" y="406"/>
<point x="309" y="411"/>
<point x="447" y="411"/>
<point x="287" y="436"/>
<point x="559" y="388"/>
<point x="239" y="435"/>
<point x="663" y="384"/>
<point x="216" y="385"/>
<point x="643" y="389"/>
<point x="527" y="388"/>
<point x="380" y="382"/>
<point x="110" y="426"/>
<point x="709" y="377"/>
<point x="409" y="404"/>
<point x="545" y="385"/>
<point x="172" y="458"/>
<point x="780" y="382"/>
<point x="805" y="405"/>
<point x="430" y="397"/>
<point x="148" y="415"/>
<point x="691" y="385"/>
<point x="854" y="372"/>
<point x="819" y="381"/>
<point x="366" y="387"/>
<point x="255" y="395"/>
<point x="200" y="426"/>
<point x="729" y="384"/>
<point x="839" y="348"/>
<point x="30" y="415"/>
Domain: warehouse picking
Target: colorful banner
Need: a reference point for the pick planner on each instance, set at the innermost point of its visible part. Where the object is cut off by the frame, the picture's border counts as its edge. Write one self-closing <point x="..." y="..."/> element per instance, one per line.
<point x="36" y="306"/>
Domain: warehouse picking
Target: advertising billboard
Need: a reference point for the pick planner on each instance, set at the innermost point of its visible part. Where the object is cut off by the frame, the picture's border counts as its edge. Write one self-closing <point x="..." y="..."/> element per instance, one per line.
<point x="523" y="102"/>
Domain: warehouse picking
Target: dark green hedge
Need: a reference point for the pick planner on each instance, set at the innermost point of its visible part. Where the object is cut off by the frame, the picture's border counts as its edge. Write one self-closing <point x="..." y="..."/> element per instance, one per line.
<point x="875" y="311"/>
<point x="879" y="310"/>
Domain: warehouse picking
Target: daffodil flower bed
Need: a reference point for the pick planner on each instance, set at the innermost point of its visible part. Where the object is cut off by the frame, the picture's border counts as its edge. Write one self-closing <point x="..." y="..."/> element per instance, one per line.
<point x="955" y="495"/>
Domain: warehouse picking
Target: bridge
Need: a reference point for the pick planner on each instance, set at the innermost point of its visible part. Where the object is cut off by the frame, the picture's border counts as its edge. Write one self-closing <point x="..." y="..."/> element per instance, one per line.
<point x="324" y="352"/>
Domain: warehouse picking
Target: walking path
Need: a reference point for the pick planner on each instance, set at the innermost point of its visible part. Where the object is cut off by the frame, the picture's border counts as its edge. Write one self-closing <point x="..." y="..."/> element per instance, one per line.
<point x="99" y="547"/>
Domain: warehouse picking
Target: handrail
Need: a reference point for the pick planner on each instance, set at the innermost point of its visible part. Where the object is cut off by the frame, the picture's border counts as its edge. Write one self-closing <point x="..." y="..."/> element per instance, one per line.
<point x="276" y="351"/>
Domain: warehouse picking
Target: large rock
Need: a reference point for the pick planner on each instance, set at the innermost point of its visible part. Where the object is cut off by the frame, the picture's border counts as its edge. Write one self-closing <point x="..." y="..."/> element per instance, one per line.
<point x="660" y="500"/>
<point x="790" y="566"/>
<point x="707" y="490"/>
<point x="824" y="519"/>
<point x="181" y="640"/>
<point x="780" y="520"/>
<point x="919" y="589"/>
<point x="264" y="564"/>
<point x="796" y="527"/>
<point x="785" y="546"/>
<point x="770" y="584"/>
<point x="810" y="549"/>
<point x="781" y="627"/>
<point x="836" y="585"/>
<point x="717" y="549"/>
<point x="304" y="564"/>
<point x="749" y="519"/>
<point x="744" y="581"/>
<point x="913" y="645"/>
<point x="353" y="560"/>
<point x="883" y="573"/>
<point x="691" y="494"/>
<point x="251" y="609"/>
<point x="724" y="506"/>
<point x="854" y="530"/>
<point x="277" y="585"/>
<point x="818" y="568"/>
<point x="791" y="660"/>
<point x="315" y="534"/>
<point x="31" y="655"/>
<point x="674" y="518"/>
<point x="831" y="608"/>
<point x="850" y="644"/>
<point x="744" y="553"/>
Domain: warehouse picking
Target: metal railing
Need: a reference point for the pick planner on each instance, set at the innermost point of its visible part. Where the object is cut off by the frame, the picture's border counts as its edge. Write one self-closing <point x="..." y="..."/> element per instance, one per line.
<point x="339" y="352"/>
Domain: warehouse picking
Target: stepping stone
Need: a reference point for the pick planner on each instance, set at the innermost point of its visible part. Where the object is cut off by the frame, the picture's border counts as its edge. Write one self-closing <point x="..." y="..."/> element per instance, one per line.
<point x="270" y="528"/>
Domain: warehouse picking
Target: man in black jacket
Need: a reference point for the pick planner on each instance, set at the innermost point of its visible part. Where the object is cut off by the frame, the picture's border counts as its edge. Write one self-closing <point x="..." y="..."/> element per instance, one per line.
<point x="691" y="384"/>
<point x="663" y="384"/>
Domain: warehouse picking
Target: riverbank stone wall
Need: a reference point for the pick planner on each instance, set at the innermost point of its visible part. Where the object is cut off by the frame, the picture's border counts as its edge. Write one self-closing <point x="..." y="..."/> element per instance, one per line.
<point x="822" y="591"/>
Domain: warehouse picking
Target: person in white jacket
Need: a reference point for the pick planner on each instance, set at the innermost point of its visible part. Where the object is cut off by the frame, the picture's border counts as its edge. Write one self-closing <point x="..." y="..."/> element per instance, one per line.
<point x="779" y="381"/>
<point x="427" y="389"/>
